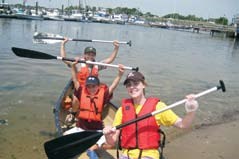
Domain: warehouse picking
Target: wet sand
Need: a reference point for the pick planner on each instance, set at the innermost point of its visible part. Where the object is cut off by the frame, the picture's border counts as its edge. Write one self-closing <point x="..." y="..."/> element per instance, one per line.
<point x="211" y="142"/>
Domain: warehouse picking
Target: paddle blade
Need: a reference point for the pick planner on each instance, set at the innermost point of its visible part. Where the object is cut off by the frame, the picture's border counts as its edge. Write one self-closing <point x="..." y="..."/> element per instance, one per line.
<point x="129" y="43"/>
<point x="31" y="54"/>
<point x="45" y="41"/>
<point x="71" y="145"/>
<point x="46" y="38"/>
<point x="222" y="86"/>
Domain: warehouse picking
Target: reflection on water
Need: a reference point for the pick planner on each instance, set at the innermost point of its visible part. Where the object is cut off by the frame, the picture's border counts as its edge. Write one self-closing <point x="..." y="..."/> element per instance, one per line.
<point x="174" y="63"/>
<point x="236" y="46"/>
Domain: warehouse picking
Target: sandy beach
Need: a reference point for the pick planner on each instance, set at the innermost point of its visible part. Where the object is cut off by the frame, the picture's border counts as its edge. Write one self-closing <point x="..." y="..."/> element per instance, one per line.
<point x="211" y="142"/>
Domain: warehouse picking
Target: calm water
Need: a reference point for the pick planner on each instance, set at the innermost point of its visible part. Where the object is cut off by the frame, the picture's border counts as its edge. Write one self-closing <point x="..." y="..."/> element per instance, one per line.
<point x="174" y="63"/>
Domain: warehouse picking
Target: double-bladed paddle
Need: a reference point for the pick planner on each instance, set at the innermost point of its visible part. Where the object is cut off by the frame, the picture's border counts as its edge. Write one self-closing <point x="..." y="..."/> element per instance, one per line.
<point x="49" y="38"/>
<point x="40" y="55"/>
<point x="73" y="144"/>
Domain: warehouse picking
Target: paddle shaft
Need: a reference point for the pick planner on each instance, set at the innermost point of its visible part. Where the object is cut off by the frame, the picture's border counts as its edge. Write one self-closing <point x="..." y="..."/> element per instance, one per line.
<point x="222" y="86"/>
<point x="83" y="40"/>
<point x="96" y="63"/>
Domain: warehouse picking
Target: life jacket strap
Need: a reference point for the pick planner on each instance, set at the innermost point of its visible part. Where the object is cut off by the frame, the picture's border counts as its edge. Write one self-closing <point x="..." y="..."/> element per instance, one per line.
<point x="162" y="142"/>
<point x="92" y="101"/>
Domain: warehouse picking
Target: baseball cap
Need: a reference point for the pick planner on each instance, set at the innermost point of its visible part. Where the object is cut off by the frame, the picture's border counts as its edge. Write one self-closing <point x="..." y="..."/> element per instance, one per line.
<point x="134" y="76"/>
<point x="92" y="80"/>
<point x="90" y="49"/>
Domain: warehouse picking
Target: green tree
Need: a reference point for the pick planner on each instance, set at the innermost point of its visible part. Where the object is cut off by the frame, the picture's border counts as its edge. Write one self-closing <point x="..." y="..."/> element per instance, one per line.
<point x="222" y="20"/>
<point x="110" y="10"/>
<point x="148" y="14"/>
<point x="181" y="17"/>
<point x="128" y="11"/>
<point x="87" y="8"/>
<point x="94" y="10"/>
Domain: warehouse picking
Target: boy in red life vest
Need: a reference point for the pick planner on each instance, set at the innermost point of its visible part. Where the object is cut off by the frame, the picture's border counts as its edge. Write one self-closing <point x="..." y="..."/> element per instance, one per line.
<point x="88" y="104"/>
<point x="89" y="55"/>
<point x="140" y="140"/>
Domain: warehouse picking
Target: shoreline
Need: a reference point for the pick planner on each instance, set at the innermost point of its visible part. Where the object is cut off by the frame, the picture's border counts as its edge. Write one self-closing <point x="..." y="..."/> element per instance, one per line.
<point x="215" y="141"/>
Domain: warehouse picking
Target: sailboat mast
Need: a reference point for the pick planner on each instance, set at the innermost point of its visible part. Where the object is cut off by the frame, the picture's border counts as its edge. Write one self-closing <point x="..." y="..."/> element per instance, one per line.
<point x="36" y="7"/>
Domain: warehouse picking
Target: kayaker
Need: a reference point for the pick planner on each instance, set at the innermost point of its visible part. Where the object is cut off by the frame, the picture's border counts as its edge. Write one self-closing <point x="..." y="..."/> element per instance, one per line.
<point x="141" y="140"/>
<point x="88" y="104"/>
<point x="89" y="55"/>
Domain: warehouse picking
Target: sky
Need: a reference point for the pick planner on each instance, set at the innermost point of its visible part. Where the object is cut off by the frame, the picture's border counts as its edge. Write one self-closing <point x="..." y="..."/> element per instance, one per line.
<point x="200" y="8"/>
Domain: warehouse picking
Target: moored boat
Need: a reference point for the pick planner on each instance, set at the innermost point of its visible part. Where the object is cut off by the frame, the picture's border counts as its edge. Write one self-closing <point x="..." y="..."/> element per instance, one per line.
<point x="6" y="11"/>
<point x="30" y="15"/>
<point x="53" y="15"/>
<point x="62" y="109"/>
<point x="74" y="16"/>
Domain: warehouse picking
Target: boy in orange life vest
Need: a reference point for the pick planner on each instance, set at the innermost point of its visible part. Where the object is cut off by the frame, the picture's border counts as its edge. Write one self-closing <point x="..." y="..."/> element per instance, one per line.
<point x="89" y="104"/>
<point x="89" y="55"/>
<point x="140" y="140"/>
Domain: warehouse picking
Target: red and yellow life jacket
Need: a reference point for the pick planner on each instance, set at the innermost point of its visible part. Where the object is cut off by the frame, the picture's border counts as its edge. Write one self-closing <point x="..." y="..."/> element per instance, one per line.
<point x="84" y="72"/>
<point x="91" y="107"/>
<point x="143" y="134"/>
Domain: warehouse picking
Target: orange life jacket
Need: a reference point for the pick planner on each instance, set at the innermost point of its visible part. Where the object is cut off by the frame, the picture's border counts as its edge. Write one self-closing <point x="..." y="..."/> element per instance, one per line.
<point x="143" y="134"/>
<point x="91" y="107"/>
<point x="84" y="72"/>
